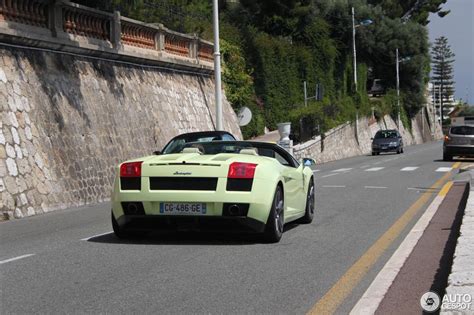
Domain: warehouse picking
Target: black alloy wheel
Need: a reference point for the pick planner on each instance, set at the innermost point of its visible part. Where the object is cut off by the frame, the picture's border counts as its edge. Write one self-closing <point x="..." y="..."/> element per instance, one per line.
<point x="118" y="231"/>
<point x="275" y="223"/>
<point x="309" y="210"/>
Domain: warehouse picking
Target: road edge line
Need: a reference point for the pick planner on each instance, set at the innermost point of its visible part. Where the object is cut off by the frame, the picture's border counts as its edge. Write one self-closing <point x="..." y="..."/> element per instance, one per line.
<point x="373" y="296"/>
<point x="97" y="235"/>
<point x="15" y="258"/>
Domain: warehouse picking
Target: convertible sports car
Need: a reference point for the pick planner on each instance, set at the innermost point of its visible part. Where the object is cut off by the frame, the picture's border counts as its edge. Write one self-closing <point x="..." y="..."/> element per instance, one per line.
<point x="218" y="186"/>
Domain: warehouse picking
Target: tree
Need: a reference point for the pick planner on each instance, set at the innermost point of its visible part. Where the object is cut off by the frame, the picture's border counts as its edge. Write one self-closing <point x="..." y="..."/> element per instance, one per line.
<point x="442" y="60"/>
<point x="414" y="10"/>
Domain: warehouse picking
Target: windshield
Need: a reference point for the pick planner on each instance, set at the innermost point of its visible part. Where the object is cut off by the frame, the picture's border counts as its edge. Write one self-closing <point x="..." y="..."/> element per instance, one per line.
<point x="177" y="144"/>
<point x="462" y="130"/>
<point x="386" y="134"/>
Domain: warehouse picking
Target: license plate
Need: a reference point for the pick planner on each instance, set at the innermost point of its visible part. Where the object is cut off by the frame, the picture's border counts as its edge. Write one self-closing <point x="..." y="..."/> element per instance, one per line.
<point x="179" y="208"/>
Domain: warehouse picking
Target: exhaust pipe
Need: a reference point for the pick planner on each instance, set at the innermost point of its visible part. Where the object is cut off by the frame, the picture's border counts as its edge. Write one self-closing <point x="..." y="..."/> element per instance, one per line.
<point x="234" y="210"/>
<point x="132" y="208"/>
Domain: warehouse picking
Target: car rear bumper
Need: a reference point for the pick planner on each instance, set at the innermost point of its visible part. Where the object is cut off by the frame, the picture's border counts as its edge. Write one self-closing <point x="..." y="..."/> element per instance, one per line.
<point x="190" y="223"/>
<point x="453" y="150"/>
<point x="258" y="202"/>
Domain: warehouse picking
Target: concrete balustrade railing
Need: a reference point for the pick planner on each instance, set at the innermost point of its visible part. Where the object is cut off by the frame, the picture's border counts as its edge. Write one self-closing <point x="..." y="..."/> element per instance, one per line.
<point x="31" y="12"/>
<point x="101" y="31"/>
<point x="83" y="22"/>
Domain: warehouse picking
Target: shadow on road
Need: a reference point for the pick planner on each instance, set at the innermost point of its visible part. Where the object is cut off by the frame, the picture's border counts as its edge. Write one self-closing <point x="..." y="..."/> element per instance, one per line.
<point x="186" y="238"/>
<point x="463" y="159"/>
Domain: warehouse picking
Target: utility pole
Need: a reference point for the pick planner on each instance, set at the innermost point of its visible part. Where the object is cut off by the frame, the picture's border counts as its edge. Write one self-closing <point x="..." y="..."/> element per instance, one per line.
<point x="305" y="94"/>
<point x="441" y="90"/>
<point x="354" y="48"/>
<point x="440" y="106"/>
<point x="398" y="88"/>
<point x="217" y="66"/>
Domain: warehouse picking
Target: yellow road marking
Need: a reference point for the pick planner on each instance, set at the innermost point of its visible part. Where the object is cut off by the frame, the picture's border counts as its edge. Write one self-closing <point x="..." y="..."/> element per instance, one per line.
<point x="445" y="189"/>
<point x="329" y="303"/>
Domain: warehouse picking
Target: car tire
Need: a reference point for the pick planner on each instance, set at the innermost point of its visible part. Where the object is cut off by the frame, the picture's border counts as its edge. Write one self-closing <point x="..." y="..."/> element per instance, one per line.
<point x="399" y="151"/>
<point x="309" y="210"/>
<point x="118" y="231"/>
<point x="275" y="223"/>
<point x="373" y="153"/>
<point x="447" y="157"/>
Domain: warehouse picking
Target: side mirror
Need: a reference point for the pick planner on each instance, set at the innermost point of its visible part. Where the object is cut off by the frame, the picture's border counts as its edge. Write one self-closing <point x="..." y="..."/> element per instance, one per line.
<point x="157" y="152"/>
<point x="308" y="162"/>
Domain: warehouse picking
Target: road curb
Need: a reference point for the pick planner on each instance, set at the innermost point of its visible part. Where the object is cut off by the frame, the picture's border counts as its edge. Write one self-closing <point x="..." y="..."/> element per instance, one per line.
<point x="374" y="295"/>
<point x="461" y="278"/>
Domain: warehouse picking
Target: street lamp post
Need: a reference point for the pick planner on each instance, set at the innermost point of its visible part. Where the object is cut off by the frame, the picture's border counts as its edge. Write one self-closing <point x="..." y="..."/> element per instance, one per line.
<point x="398" y="88"/>
<point x="354" y="48"/>
<point x="364" y="23"/>
<point x="354" y="26"/>
<point x="397" y="65"/>
<point x="217" y="66"/>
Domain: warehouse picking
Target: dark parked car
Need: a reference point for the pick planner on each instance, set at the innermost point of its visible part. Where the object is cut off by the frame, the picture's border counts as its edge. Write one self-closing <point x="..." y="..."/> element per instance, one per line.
<point x="177" y="144"/>
<point x="387" y="141"/>
<point x="458" y="142"/>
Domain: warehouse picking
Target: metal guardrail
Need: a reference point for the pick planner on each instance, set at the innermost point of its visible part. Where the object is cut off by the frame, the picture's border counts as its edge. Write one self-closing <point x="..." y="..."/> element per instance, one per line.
<point x="71" y="18"/>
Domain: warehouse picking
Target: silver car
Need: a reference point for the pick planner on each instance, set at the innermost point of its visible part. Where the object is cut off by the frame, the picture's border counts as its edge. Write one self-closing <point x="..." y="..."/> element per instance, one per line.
<point x="458" y="142"/>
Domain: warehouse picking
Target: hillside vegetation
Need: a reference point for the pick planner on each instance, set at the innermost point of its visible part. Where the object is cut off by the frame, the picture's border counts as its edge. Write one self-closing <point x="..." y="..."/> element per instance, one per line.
<point x="270" y="47"/>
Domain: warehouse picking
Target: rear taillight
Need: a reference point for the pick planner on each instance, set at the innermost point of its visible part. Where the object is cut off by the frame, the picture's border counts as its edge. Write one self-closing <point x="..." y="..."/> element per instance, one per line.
<point x="132" y="169"/>
<point x="241" y="170"/>
<point x="446" y="138"/>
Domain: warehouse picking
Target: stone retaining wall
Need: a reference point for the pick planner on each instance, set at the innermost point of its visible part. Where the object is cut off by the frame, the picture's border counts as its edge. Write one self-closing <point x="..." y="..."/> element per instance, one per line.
<point x="67" y="121"/>
<point x="342" y="142"/>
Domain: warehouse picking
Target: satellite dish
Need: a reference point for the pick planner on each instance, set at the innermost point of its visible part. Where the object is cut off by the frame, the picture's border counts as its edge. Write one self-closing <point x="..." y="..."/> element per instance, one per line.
<point x="244" y="116"/>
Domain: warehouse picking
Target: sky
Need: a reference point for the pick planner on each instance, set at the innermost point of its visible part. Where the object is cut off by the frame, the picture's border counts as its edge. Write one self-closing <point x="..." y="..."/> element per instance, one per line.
<point x="458" y="28"/>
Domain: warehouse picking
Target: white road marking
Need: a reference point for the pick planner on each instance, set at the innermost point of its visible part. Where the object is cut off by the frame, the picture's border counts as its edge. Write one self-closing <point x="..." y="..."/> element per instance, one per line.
<point x="409" y="168"/>
<point x="91" y="237"/>
<point x="333" y="174"/>
<point x="342" y="170"/>
<point x="15" y="258"/>
<point x="374" y="169"/>
<point x="334" y="186"/>
<point x="315" y="171"/>
<point x="375" y="187"/>
<point x="423" y="189"/>
<point x="443" y="169"/>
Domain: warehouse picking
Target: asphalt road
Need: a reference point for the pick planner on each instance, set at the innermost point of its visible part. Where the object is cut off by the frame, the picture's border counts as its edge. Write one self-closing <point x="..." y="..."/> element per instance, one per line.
<point x="357" y="200"/>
